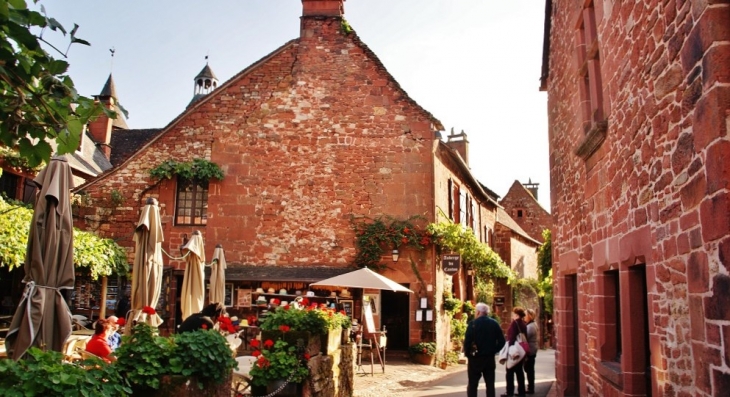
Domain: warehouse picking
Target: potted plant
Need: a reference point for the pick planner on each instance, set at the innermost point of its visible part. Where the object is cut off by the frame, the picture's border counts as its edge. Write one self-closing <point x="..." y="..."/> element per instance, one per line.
<point x="323" y="325"/>
<point x="280" y="367"/>
<point x="423" y="352"/>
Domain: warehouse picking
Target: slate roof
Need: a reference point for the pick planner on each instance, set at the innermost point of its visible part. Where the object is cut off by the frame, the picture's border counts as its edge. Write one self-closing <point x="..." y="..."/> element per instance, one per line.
<point x="206" y="72"/>
<point x="506" y="220"/>
<point x="125" y="143"/>
<point x="110" y="90"/>
<point x="306" y="274"/>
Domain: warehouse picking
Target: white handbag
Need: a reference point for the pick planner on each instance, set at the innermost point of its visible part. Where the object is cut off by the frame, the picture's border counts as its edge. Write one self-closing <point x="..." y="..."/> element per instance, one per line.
<point x="503" y="353"/>
<point x="515" y="354"/>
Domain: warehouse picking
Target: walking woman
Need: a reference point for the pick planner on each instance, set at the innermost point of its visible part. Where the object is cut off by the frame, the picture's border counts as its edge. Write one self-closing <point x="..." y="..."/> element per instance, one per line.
<point x="530" y="358"/>
<point x="517" y="327"/>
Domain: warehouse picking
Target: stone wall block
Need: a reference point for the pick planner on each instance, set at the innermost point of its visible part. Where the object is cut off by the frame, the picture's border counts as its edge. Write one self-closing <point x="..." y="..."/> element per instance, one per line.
<point x="715" y="216"/>
<point x="716" y="306"/>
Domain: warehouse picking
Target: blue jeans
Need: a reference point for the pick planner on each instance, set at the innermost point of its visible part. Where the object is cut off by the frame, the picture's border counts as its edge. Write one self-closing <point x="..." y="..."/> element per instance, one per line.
<point x="478" y="367"/>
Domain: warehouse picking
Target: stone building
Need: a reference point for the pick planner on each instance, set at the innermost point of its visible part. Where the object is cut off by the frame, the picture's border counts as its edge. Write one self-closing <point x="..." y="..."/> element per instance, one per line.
<point x="521" y="204"/>
<point x="313" y="138"/>
<point x="639" y="112"/>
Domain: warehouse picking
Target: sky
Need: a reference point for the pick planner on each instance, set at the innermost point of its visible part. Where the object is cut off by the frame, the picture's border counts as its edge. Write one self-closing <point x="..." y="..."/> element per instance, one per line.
<point x="474" y="64"/>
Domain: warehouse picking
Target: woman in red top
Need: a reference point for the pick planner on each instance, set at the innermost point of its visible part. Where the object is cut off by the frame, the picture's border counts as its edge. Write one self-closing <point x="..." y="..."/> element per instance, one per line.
<point x="98" y="344"/>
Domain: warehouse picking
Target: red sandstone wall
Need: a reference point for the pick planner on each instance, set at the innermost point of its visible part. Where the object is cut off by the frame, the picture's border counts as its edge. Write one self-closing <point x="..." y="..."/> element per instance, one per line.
<point x="656" y="192"/>
<point x="534" y="218"/>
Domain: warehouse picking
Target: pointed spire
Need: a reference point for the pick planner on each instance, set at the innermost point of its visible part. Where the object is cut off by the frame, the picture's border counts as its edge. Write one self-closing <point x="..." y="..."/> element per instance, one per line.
<point x="109" y="89"/>
<point x="205" y="82"/>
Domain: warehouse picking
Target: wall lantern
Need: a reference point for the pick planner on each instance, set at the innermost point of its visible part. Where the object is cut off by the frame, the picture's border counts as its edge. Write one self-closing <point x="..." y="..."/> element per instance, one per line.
<point x="396" y="255"/>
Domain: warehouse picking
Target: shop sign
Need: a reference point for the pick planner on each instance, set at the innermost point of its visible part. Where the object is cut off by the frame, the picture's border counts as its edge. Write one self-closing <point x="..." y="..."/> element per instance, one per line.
<point x="499" y="300"/>
<point x="450" y="263"/>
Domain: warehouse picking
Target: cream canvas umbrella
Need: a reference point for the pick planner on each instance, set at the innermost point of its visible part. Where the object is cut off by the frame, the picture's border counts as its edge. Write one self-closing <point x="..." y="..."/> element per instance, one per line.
<point x="193" y="288"/>
<point x="363" y="278"/>
<point x="42" y="318"/>
<point x="147" y="270"/>
<point x="218" y="276"/>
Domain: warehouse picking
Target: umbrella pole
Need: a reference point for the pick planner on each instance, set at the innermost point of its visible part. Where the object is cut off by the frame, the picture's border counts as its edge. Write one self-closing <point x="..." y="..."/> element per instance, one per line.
<point x="102" y="304"/>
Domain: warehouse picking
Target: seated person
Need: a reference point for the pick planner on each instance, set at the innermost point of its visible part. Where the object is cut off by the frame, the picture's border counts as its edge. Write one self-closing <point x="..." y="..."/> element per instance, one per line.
<point x="206" y="319"/>
<point x="114" y="339"/>
<point x="98" y="344"/>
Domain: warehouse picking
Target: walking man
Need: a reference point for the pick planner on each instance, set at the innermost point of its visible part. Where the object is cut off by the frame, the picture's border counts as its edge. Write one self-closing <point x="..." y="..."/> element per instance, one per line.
<point x="484" y="339"/>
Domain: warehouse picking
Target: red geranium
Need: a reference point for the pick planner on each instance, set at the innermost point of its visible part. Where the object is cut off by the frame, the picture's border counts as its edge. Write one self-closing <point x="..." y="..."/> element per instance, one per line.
<point x="255" y="343"/>
<point x="256" y="353"/>
<point x="149" y="310"/>
<point x="204" y="326"/>
<point x="277" y="301"/>
<point x="268" y="343"/>
<point x="284" y="328"/>
<point x="306" y="356"/>
<point x="121" y="322"/>
<point x="305" y="302"/>
<point x="262" y="362"/>
<point x="226" y="325"/>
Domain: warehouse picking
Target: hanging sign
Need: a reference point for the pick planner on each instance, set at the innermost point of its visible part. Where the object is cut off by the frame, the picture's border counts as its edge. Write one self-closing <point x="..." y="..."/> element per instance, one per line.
<point x="450" y="263"/>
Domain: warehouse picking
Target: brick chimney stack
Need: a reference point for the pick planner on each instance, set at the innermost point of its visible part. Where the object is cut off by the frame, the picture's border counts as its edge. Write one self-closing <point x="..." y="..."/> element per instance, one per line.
<point x="323" y="8"/>
<point x="459" y="143"/>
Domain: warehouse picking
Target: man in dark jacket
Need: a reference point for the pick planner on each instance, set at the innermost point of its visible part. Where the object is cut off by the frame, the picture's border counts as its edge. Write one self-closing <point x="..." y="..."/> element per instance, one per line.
<point x="484" y="339"/>
<point x="206" y="319"/>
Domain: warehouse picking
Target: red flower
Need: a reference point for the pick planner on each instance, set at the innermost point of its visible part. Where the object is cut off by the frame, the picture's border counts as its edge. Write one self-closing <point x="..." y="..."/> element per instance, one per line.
<point x="284" y="328"/>
<point x="268" y="343"/>
<point x="322" y="306"/>
<point x="277" y="301"/>
<point x="406" y="230"/>
<point x="404" y="240"/>
<point x="149" y="310"/>
<point x="425" y="240"/>
<point x="252" y="320"/>
<point x="306" y="356"/>
<point x="255" y="343"/>
<point x="343" y="312"/>
<point x="204" y="326"/>
<point x="286" y="307"/>
<point x="331" y="313"/>
<point x="256" y="353"/>
<point x="305" y="302"/>
<point x="263" y="362"/>
<point x="121" y="322"/>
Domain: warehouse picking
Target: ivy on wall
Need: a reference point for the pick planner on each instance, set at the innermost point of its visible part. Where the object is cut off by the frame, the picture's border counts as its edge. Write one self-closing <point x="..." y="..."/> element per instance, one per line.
<point x="374" y="236"/>
<point x="196" y="170"/>
<point x="101" y="257"/>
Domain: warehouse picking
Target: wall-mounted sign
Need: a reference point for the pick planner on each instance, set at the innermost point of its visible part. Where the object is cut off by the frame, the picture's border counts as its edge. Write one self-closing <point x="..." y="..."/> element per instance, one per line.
<point x="450" y="263"/>
<point x="499" y="300"/>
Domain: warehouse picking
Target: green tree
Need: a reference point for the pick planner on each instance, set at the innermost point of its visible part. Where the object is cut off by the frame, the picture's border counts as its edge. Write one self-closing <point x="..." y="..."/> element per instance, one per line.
<point x="545" y="272"/>
<point x="38" y="100"/>
<point x="101" y="257"/>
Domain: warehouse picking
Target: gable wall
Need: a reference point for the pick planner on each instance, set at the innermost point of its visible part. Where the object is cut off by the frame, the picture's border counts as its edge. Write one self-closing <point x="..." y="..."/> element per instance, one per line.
<point x="534" y="218"/>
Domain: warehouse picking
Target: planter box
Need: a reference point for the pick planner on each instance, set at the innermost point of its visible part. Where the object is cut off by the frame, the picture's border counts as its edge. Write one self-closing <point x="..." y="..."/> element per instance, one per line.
<point x="331" y="341"/>
<point x="425" y="359"/>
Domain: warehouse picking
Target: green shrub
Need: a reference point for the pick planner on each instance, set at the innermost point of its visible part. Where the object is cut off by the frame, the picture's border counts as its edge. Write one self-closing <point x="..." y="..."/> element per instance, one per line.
<point x="45" y="374"/>
<point x="203" y="354"/>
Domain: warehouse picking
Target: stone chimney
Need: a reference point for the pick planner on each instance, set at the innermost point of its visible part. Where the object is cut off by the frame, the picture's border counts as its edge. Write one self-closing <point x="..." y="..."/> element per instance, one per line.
<point x="459" y="143"/>
<point x="323" y="8"/>
<point x="531" y="187"/>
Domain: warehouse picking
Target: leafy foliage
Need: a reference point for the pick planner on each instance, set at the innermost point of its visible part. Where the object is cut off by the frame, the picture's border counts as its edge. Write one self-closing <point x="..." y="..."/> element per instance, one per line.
<point x="144" y="357"/>
<point x="203" y="354"/>
<point x="373" y="235"/>
<point x="11" y="158"/>
<point x="196" y="170"/>
<point x="452" y="305"/>
<point x="485" y="262"/>
<point x="545" y="271"/>
<point x="423" y="348"/>
<point x="101" y="257"/>
<point x="277" y="360"/>
<point x="44" y="374"/>
<point x="39" y="101"/>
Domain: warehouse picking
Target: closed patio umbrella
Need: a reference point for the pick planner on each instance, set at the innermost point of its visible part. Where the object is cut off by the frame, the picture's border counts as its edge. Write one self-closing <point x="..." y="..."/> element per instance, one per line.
<point x="218" y="276"/>
<point x="193" y="288"/>
<point x="147" y="270"/>
<point x="42" y="318"/>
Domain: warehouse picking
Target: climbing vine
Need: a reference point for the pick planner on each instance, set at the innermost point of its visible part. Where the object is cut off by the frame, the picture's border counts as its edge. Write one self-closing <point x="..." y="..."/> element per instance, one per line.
<point x="196" y="170"/>
<point x="455" y="238"/>
<point x="101" y="257"/>
<point x="374" y="236"/>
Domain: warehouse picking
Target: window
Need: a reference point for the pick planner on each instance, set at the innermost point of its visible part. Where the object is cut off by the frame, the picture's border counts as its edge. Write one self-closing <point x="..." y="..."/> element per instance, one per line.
<point x="192" y="202"/>
<point x="590" y="84"/>
<point x="463" y="209"/>
<point x="9" y="184"/>
<point x="519" y="213"/>
<point x="611" y="350"/>
<point x="451" y="199"/>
